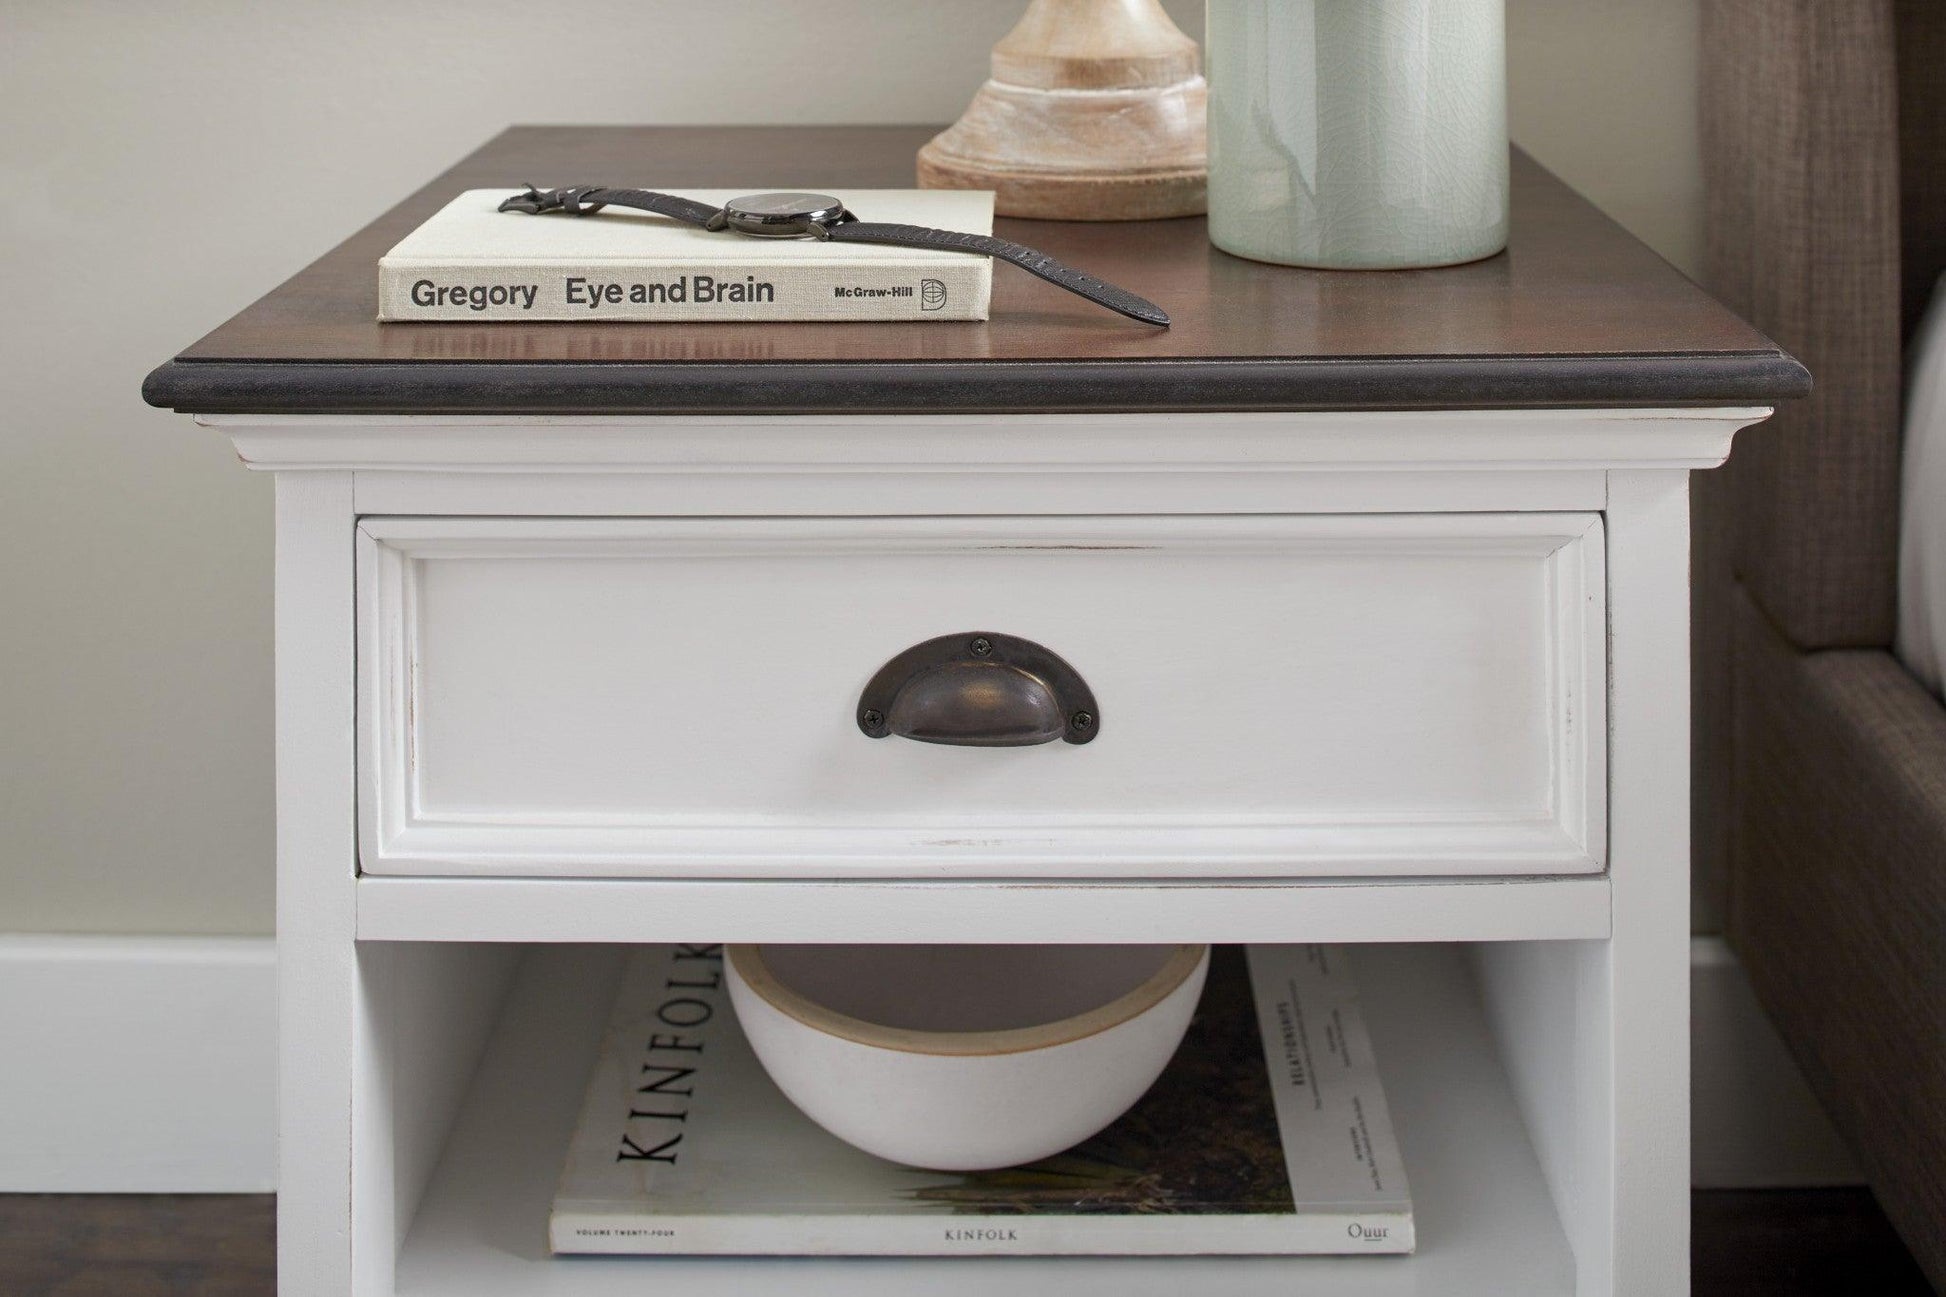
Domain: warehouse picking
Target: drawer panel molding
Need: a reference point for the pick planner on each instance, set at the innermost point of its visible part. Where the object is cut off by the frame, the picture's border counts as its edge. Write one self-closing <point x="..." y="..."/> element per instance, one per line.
<point x="1285" y="696"/>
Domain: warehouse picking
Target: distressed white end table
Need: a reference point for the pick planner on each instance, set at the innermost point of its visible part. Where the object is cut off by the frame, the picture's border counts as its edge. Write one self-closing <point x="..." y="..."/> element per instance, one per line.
<point x="1379" y="582"/>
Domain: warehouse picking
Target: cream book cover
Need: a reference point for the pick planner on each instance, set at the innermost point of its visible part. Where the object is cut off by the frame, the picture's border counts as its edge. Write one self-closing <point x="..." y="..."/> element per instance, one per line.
<point x="472" y="262"/>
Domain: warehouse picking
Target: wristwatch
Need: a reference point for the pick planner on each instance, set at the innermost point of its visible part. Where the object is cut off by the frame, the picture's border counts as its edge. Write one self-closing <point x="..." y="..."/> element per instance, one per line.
<point x="820" y="216"/>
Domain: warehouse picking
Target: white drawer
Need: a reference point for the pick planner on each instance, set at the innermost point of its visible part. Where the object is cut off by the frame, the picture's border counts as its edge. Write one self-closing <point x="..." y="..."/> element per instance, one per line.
<point x="1277" y="696"/>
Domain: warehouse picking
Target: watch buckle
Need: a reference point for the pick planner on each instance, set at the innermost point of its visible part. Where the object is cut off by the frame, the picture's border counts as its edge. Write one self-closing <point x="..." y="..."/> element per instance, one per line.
<point x="536" y="201"/>
<point x="533" y="202"/>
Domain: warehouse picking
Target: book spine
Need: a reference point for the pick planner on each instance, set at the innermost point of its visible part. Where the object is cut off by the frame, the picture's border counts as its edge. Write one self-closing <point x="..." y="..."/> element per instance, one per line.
<point x="1324" y="1078"/>
<point x="890" y="290"/>
<point x="1320" y="1233"/>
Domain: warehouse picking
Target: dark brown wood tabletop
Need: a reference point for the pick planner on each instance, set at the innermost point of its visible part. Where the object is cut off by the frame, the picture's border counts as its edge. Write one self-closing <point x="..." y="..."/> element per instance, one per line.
<point x="1575" y="312"/>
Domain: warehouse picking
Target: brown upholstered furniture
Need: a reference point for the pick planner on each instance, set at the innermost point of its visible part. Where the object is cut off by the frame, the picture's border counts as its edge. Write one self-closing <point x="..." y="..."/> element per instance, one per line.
<point x="1821" y="764"/>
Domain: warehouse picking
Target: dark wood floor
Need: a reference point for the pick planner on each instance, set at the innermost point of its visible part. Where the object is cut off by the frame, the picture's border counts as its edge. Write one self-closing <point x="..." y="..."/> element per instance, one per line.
<point x="1782" y="1243"/>
<point x="1796" y="1243"/>
<point x="57" y="1245"/>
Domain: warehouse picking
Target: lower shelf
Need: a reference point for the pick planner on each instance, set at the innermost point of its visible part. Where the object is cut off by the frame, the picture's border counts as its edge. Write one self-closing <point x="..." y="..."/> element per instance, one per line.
<point x="1486" y="1223"/>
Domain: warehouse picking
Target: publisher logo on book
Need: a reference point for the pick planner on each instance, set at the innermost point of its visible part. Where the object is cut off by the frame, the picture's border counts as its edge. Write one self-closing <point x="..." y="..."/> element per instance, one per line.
<point x="932" y="294"/>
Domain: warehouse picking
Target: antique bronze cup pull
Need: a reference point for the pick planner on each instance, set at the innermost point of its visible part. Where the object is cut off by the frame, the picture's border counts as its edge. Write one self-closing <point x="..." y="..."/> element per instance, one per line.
<point x="981" y="690"/>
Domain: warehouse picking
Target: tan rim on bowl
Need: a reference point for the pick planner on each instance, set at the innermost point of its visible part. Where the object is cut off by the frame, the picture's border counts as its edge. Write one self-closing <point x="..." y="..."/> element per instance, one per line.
<point x="756" y="974"/>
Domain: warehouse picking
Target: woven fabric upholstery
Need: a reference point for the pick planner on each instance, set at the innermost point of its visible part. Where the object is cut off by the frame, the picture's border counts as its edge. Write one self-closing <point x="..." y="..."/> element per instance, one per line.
<point x="1832" y="814"/>
<point x="1922" y="151"/>
<point x="1801" y="173"/>
<point x="1801" y="170"/>
<point x="1839" y="907"/>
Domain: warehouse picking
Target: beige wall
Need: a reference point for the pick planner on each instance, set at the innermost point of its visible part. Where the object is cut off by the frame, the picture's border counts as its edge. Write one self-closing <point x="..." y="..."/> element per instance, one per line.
<point x="163" y="164"/>
<point x="1604" y="92"/>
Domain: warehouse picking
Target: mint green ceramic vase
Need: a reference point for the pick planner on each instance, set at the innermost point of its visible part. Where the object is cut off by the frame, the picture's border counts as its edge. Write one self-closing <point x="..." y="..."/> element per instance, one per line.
<point x="1357" y="134"/>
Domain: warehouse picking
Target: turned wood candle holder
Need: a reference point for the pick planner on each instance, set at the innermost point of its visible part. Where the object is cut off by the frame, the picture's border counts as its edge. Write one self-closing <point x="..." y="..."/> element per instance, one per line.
<point x="1094" y="112"/>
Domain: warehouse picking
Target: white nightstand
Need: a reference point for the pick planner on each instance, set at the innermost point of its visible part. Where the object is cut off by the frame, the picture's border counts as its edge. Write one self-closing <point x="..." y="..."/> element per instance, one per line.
<point x="572" y="626"/>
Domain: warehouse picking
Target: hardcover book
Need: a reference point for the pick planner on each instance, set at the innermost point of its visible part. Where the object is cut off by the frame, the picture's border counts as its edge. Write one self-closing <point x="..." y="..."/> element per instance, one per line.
<point x="1267" y="1134"/>
<point x="470" y="261"/>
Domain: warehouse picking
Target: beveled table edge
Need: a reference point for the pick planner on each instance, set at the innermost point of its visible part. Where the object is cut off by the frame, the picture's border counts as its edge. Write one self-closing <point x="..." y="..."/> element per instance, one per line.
<point x="962" y="387"/>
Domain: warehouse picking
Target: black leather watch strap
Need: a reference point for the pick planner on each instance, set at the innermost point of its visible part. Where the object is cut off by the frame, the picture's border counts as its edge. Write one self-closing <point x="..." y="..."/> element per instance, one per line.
<point x="1034" y="263"/>
<point x="589" y="199"/>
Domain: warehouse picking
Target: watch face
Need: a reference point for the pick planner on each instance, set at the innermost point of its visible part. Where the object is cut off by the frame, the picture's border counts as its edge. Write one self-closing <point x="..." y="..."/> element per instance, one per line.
<point x="784" y="206"/>
<point x="782" y="215"/>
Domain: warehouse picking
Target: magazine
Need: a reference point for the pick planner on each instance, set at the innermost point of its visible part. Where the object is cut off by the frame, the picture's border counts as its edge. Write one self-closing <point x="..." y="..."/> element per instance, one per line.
<point x="1267" y="1133"/>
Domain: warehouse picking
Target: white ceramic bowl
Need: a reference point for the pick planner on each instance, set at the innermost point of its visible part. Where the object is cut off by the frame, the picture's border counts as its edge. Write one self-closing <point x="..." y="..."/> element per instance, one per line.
<point x="961" y="1058"/>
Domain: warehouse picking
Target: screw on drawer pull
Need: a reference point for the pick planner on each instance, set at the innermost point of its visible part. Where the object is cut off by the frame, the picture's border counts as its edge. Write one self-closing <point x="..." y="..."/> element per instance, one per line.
<point x="981" y="690"/>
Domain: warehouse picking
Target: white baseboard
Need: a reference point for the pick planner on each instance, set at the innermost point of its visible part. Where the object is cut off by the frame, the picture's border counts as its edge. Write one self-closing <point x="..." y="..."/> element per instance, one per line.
<point x="137" y="1064"/>
<point x="1753" y="1122"/>
<point x="148" y="1065"/>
